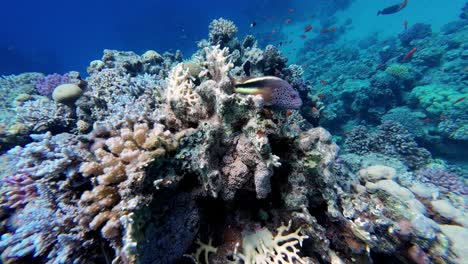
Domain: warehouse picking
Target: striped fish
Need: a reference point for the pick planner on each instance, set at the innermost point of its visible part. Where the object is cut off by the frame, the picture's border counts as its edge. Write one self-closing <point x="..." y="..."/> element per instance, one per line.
<point x="275" y="91"/>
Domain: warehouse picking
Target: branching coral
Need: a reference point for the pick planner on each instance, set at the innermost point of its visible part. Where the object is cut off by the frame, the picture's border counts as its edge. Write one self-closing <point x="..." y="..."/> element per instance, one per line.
<point x="217" y="62"/>
<point x="18" y="190"/>
<point x="118" y="171"/>
<point x="445" y="180"/>
<point x="182" y="100"/>
<point x="261" y="246"/>
<point x="45" y="85"/>
<point x="49" y="157"/>
<point x="40" y="114"/>
<point x="390" y="139"/>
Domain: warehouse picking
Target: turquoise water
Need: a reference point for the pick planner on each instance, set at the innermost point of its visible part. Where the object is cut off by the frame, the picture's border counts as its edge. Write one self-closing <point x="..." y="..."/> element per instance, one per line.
<point x="248" y="132"/>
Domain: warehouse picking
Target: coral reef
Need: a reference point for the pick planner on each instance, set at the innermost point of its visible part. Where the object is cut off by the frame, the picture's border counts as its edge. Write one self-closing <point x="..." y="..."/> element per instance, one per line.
<point x="445" y="180"/>
<point x="45" y="85"/>
<point x="390" y="139"/>
<point x="417" y="31"/>
<point x="159" y="155"/>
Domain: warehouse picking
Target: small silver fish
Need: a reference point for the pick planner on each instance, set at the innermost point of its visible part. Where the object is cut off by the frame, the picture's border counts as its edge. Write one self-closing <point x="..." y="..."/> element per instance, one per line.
<point x="275" y="91"/>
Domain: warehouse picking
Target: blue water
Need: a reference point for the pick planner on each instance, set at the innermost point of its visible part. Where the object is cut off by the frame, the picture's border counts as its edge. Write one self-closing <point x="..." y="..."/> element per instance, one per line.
<point x="59" y="36"/>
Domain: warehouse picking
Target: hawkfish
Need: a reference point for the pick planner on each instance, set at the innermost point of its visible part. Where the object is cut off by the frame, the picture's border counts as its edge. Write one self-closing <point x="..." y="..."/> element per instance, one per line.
<point x="275" y="91"/>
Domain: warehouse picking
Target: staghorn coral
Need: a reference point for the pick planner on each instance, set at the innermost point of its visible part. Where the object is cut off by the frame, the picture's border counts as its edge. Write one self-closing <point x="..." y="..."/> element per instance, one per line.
<point x="217" y="62"/>
<point x="221" y="31"/>
<point x="182" y="100"/>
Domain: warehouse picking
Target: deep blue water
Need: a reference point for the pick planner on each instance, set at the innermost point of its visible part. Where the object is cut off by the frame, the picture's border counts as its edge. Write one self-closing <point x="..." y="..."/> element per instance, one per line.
<point x="58" y="36"/>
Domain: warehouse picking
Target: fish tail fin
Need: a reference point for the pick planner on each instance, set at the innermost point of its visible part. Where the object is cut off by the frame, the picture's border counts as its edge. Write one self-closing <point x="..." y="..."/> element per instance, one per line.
<point x="379" y="12"/>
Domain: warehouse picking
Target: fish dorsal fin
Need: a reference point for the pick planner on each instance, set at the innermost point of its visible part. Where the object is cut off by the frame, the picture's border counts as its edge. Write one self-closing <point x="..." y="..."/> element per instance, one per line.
<point x="256" y="81"/>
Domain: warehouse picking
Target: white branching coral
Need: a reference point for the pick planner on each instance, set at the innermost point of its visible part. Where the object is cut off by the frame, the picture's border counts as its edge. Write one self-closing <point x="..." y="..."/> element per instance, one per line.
<point x="262" y="247"/>
<point x="217" y="62"/>
<point x="181" y="97"/>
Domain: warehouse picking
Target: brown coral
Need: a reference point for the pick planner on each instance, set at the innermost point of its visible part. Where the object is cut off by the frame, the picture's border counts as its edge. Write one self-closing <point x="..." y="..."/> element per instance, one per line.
<point x="118" y="172"/>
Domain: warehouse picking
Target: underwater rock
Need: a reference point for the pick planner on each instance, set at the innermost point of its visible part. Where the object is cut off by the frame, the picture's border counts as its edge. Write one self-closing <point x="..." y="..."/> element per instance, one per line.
<point x="67" y="93"/>
<point x="457" y="236"/>
<point x="376" y="173"/>
<point x="445" y="209"/>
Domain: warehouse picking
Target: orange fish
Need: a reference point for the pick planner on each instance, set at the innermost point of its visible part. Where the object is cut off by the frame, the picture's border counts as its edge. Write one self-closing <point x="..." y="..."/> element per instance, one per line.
<point x="287" y="21"/>
<point x="314" y="109"/>
<point x="289" y="112"/>
<point x="346" y="132"/>
<point x="303" y="36"/>
<point x="409" y="54"/>
<point x="308" y="28"/>
<point x="324" y="31"/>
<point x="459" y="100"/>
<point x="332" y="29"/>
<point x="321" y="96"/>
<point x="323" y="82"/>
<point x="426" y="120"/>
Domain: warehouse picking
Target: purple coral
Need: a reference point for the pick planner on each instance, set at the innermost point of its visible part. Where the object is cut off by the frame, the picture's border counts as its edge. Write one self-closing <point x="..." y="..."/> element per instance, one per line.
<point x="20" y="189"/>
<point x="446" y="181"/>
<point x="46" y="85"/>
